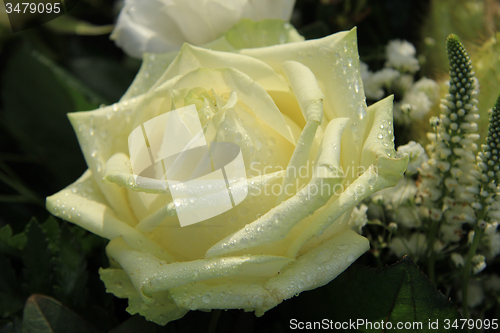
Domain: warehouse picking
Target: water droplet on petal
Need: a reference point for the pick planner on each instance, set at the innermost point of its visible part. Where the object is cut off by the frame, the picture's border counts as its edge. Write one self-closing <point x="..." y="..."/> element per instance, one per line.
<point x="361" y="111"/>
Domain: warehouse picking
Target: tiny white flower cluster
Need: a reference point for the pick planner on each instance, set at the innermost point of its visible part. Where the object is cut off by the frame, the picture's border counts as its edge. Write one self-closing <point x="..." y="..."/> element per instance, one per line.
<point x="401" y="56"/>
<point x="358" y="218"/>
<point x="398" y="76"/>
<point x="417" y="156"/>
<point x="415" y="245"/>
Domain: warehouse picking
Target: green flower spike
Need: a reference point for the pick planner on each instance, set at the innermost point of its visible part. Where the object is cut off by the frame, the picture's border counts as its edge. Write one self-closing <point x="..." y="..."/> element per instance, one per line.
<point x="489" y="158"/>
<point x="487" y="205"/>
<point x="450" y="176"/>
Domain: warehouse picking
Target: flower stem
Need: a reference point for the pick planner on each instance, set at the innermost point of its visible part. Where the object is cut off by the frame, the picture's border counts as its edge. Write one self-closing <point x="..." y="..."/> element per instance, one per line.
<point x="478" y="233"/>
<point x="431" y="262"/>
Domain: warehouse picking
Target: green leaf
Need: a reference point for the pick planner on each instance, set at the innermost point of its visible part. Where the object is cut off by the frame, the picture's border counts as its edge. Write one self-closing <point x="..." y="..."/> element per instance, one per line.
<point x="70" y="270"/>
<point x="37" y="96"/>
<point x="11" y="300"/>
<point x="43" y="314"/>
<point x="88" y="241"/>
<point x="109" y="77"/>
<point x="83" y="97"/>
<point x="37" y="259"/>
<point x="400" y="293"/>
<point x="12" y="245"/>
<point x="51" y="229"/>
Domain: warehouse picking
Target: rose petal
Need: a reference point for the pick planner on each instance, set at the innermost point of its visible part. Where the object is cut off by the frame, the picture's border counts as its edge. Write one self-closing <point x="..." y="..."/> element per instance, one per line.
<point x="277" y="223"/>
<point x="259" y="10"/>
<point x="312" y="270"/>
<point x="153" y="66"/>
<point x="150" y="275"/>
<point x="138" y="25"/>
<point x="82" y="203"/>
<point x="191" y="58"/>
<point x="310" y="98"/>
<point x="102" y="133"/>
<point x="381" y="171"/>
<point x="343" y="92"/>
<point x="335" y="63"/>
<point x="248" y="91"/>
<point x="162" y="311"/>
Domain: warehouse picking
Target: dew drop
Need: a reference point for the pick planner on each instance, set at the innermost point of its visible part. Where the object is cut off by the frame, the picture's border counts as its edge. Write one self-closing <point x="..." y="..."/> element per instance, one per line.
<point x="323" y="257"/>
<point x="361" y="111"/>
<point x="243" y="211"/>
<point x="380" y="136"/>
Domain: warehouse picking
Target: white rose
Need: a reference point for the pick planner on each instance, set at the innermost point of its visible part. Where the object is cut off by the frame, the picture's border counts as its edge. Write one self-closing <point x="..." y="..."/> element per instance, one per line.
<point x="155" y="26"/>
<point x="297" y="106"/>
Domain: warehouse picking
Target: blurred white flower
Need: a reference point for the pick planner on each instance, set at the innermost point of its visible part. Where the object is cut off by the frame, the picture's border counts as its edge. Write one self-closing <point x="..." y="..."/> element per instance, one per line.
<point x="417" y="156"/>
<point x="492" y="239"/>
<point x="421" y="96"/>
<point x="478" y="263"/>
<point x="393" y="197"/>
<point x="400" y="55"/>
<point x="407" y="216"/>
<point x="358" y="218"/>
<point x="414" y="246"/>
<point x="429" y="87"/>
<point x="374" y="83"/>
<point x="451" y="233"/>
<point x="403" y="83"/>
<point x="386" y="76"/>
<point x="373" y="89"/>
<point x="164" y="25"/>
<point x="457" y="259"/>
